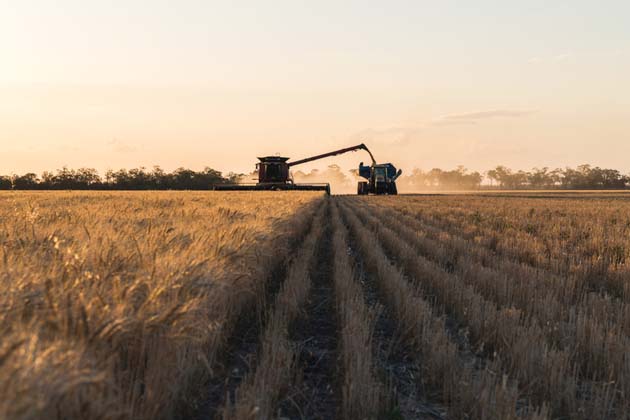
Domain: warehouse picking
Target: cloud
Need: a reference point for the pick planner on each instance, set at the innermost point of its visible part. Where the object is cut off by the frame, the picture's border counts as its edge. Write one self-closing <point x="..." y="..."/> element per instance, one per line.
<point x="484" y="115"/>
<point x="447" y="122"/>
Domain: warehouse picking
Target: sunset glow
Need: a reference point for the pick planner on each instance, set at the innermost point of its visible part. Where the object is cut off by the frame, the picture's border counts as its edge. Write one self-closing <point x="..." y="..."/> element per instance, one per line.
<point x="128" y="84"/>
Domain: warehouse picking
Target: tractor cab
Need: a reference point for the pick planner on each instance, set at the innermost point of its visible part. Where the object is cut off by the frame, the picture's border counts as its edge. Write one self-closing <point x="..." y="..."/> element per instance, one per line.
<point x="380" y="173"/>
<point x="273" y="169"/>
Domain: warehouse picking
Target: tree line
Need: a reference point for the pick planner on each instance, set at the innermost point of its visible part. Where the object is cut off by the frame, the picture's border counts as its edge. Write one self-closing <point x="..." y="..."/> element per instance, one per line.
<point x="460" y="178"/>
<point x="501" y="177"/>
<point x="132" y="179"/>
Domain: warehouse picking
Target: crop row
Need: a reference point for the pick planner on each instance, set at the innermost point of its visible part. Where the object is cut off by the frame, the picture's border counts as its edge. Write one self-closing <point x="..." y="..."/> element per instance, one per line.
<point x="586" y="328"/>
<point x="514" y="340"/>
<point x="467" y="389"/>
<point x="585" y="238"/>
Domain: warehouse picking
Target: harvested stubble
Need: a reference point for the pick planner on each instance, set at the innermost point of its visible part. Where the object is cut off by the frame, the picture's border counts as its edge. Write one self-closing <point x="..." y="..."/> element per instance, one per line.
<point x="588" y="395"/>
<point x="584" y="238"/>
<point x="517" y="341"/>
<point x="566" y="289"/>
<point x="469" y="392"/>
<point x="116" y="305"/>
<point x="589" y="328"/>
<point x="363" y="396"/>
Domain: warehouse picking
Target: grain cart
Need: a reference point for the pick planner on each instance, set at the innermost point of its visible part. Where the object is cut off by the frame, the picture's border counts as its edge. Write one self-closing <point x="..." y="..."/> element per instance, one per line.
<point x="381" y="179"/>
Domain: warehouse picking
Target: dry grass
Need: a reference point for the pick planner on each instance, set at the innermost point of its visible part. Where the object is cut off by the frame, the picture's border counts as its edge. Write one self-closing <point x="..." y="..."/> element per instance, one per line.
<point x="363" y="396"/>
<point x="564" y="350"/>
<point x="258" y="395"/>
<point x="468" y="393"/>
<point x="123" y="305"/>
<point x="114" y="305"/>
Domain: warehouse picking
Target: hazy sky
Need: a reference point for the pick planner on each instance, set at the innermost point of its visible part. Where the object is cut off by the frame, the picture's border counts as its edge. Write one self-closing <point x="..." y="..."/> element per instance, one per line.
<point x="212" y="83"/>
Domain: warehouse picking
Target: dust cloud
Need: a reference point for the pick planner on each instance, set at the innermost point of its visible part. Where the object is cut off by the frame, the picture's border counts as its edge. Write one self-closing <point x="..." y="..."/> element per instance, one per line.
<point x="341" y="182"/>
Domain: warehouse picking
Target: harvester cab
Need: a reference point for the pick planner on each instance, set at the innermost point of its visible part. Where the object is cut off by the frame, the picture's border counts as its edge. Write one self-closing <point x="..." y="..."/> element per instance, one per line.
<point x="273" y="169"/>
<point x="381" y="179"/>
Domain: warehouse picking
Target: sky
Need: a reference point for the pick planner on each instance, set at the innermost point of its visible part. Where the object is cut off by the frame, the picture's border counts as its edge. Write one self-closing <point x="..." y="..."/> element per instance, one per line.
<point x="123" y="84"/>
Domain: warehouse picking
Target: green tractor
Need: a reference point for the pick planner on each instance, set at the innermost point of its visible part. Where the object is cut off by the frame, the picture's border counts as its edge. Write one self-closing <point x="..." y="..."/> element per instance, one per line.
<point x="381" y="179"/>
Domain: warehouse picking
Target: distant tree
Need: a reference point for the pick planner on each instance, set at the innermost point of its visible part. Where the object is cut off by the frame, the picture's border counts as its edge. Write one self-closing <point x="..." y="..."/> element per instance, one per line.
<point x="456" y="179"/>
<point x="473" y="180"/>
<point x="434" y="177"/>
<point x="503" y="175"/>
<point x="69" y="179"/>
<point x="540" y="178"/>
<point x="5" y="183"/>
<point x="493" y="176"/>
<point x="417" y="180"/>
<point x="27" y="181"/>
<point x="556" y="177"/>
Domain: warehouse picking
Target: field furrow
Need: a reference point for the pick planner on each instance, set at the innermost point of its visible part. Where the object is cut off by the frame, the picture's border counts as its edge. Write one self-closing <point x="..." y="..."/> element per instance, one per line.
<point x="407" y="394"/>
<point x="593" y="344"/>
<point x="565" y="288"/>
<point x="363" y="394"/>
<point x="544" y="370"/>
<point x="465" y="389"/>
<point x="316" y="391"/>
<point x="588" y="242"/>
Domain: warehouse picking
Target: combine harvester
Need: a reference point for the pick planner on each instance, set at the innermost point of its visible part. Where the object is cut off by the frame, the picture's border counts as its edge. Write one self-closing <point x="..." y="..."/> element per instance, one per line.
<point x="274" y="175"/>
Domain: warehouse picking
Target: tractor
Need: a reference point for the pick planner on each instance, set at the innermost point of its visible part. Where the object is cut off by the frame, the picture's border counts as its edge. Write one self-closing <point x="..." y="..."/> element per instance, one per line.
<point x="381" y="179"/>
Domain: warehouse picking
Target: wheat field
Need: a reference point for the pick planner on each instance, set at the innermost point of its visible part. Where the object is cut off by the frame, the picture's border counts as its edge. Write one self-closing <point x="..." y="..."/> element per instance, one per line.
<point x="259" y="305"/>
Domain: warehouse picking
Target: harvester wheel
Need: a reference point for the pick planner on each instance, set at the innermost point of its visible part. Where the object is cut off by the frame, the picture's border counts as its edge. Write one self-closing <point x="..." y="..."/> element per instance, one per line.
<point x="362" y="188"/>
<point x="393" y="190"/>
